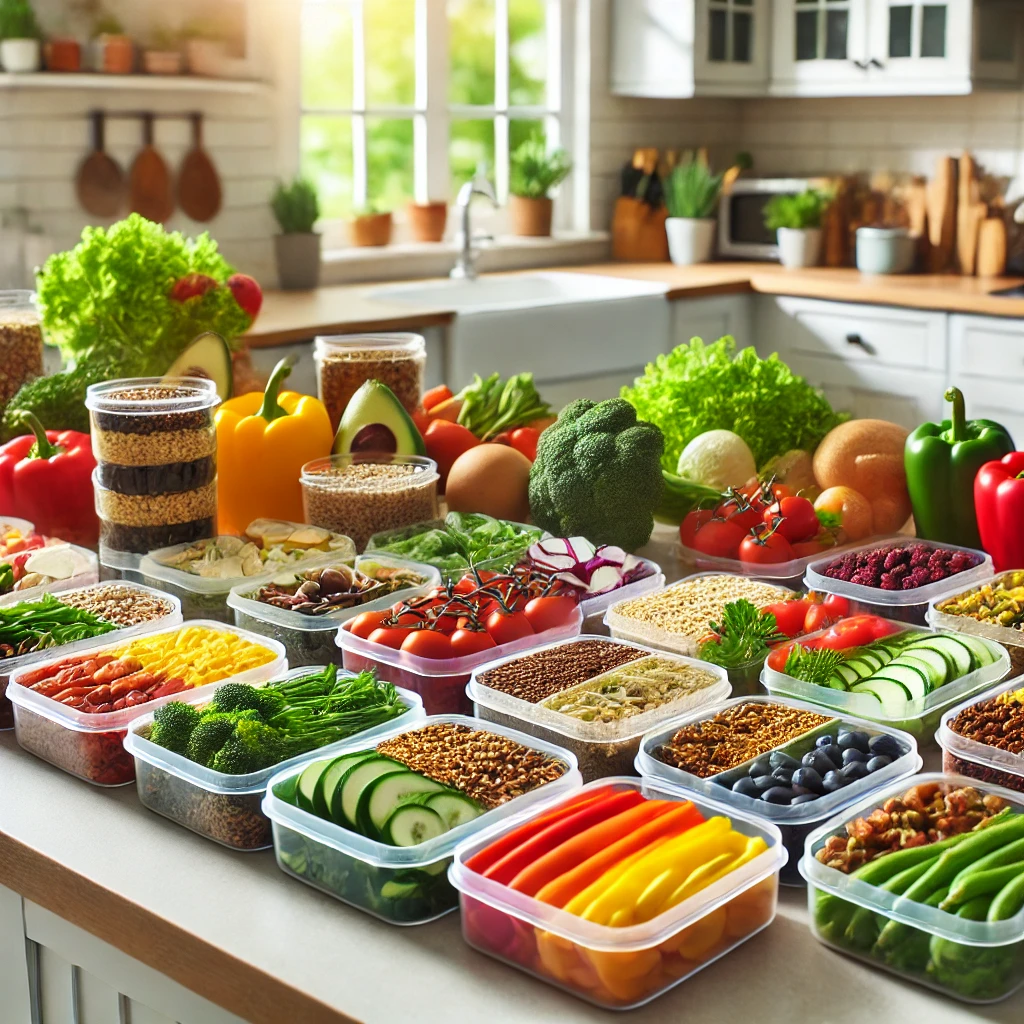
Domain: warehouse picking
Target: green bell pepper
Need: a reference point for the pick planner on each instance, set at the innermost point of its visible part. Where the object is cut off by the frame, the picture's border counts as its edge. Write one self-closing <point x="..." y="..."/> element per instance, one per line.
<point x="942" y="460"/>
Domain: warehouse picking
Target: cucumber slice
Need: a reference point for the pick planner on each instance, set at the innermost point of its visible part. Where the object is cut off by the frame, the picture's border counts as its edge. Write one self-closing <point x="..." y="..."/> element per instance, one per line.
<point x="411" y="825"/>
<point x="837" y="682"/>
<point x="932" y="665"/>
<point x="386" y="794"/>
<point x="912" y="680"/>
<point x="454" y="808"/>
<point x="862" y="667"/>
<point x="874" y="658"/>
<point x="890" y="694"/>
<point x="349" y="790"/>
<point x="979" y="649"/>
<point x="847" y="674"/>
<point x="329" y="779"/>
<point x="305" y="789"/>
<point x="956" y="652"/>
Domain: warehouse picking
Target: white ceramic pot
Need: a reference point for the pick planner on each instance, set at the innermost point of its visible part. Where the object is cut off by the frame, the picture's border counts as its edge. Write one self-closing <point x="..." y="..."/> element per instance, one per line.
<point x="20" y="55"/>
<point x="885" y="250"/>
<point x="799" y="247"/>
<point x="690" y="241"/>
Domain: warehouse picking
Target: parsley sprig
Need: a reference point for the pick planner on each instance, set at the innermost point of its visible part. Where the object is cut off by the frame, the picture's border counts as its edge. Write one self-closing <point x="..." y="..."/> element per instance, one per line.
<point x="743" y="635"/>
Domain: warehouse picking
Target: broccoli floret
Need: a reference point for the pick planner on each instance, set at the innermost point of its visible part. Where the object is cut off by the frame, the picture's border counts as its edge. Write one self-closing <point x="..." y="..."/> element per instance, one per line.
<point x="241" y="697"/>
<point x="251" y="747"/>
<point x="212" y="733"/>
<point x="173" y="725"/>
<point x="598" y="474"/>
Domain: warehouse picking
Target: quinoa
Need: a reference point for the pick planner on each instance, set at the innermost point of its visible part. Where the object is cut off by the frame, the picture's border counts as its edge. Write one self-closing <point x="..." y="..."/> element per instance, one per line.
<point x="157" y="509"/>
<point x="122" y="605"/>
<point x="155" y="448"/>
<point x="21" y="351"/>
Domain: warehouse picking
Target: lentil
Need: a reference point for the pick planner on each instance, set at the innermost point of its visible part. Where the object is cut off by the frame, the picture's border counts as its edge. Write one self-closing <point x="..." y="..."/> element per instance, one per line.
<point x="535" y="677"/>
<point x="157" y="509"/>
<point x="998" y="722"/>
<point x="735" y="735"/>
<point x="487" y="767"/>
<point x="143" y="411"/>
<point x="142" y="539"/>
<point x="123" y="606"/>
<point x="154" y="448"/>
<point x="172" y="478"/>
<point x="21" y="351"/>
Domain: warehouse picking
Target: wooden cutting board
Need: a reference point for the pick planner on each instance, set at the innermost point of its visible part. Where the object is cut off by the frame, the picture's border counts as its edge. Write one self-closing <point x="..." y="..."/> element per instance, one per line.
<point x="150" y="188"/>
<point x="970" y="212"/>
<point x="99" y="183"/>
<point x="942" y="214"/>
<point x="199" y="191"/>
<point x="992" y="247"/>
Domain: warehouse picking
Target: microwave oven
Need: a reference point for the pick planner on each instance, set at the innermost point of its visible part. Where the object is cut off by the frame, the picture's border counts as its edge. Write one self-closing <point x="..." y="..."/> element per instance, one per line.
<point x="741" y="230"/>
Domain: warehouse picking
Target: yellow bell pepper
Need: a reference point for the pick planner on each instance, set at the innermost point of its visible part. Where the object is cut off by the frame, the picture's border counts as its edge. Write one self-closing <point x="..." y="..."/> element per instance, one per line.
<point x="716" y="869"/>
<point x="263" y="441"/>
<point x="585" y="897"/>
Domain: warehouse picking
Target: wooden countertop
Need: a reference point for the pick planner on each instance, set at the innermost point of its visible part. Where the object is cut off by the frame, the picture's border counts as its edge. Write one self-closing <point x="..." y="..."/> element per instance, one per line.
<point x="298" y="316"/>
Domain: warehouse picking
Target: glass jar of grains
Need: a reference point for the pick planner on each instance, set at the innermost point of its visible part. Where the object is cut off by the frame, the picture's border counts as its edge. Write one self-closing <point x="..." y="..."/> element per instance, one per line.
<point x="21" y="342"/>
<point x="360" y="495"/>
<point x="344" y="363"/>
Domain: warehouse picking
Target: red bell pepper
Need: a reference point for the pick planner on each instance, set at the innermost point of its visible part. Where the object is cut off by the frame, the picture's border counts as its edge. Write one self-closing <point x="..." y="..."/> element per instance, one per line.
<point x="999" y="507"/>
<point x="46" y="477"/>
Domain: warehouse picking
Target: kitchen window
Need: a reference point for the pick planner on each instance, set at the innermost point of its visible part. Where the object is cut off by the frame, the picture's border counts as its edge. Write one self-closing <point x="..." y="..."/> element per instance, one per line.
<point x="402" y="99"/>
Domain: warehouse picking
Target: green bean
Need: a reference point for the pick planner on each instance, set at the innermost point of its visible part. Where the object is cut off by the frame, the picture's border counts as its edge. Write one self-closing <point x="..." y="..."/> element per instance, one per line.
<point x="863" y="929"/>
<point x="1008" y="901"/>
<point x="905" y="946"/>
<point x="981" y="883"/>
<point x="996" y="859"/>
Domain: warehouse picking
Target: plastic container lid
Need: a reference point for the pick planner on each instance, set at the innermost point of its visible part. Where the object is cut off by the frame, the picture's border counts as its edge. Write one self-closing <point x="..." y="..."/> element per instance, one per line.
<point x="319" y="473"/>
<point x="892" y="905"/>
<point x="241" y="598"/>
<point x="86" y="571"/>
<point x="846" y="702"/>
<point x="972" y="750"/>
<point x="651" y="767"/>
<point x="195" y="774"/>
<point x="597" y="732"/>
<point x="815" y="580"/>
<point x="345" y="841"/>
<point x="937" y="619"/>
<point x="182" y="394"/>
<point x="77" y="721"/>
<point x="348" y="346"/>
<point x="632" y="937"/>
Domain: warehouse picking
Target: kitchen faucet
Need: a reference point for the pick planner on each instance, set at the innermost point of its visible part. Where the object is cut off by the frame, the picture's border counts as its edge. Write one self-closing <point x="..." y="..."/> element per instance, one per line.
<point x="465" y="263"/>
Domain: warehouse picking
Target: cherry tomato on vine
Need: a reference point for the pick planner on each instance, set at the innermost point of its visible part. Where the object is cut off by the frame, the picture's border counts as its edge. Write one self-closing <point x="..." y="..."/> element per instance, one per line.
<point x="390" y="636"/>
<point x="719" y="538"/>
<point x="427" y="643"/>
<point x="470" y="641"/>
<point x="796" y="518"/>
<point x="365" y="623"/>
<point x="767" y="548"/>
<point x="549" y="612"/>
<point x="746" y="517"/>
<point x="789" y="615"/>
<point x="691" y="523"/>
<point x="506" y="628"/>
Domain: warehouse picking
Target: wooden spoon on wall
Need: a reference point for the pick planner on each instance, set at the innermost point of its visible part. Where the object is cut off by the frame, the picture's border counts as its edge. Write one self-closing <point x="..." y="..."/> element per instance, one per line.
<point x="199" y="191"/>
<point x="99" y="182"/>
<point x="150" y="182"/>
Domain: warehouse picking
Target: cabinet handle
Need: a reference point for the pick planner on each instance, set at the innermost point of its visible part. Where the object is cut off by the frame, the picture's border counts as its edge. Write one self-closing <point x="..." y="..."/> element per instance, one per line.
<point x="856" y="339"/>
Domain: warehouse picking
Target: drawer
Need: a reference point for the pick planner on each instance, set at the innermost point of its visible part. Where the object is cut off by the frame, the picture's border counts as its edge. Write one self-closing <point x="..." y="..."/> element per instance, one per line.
<point x="559" y="393"/>
<point x="868" y="335"/>
<point x="986" y="347"/>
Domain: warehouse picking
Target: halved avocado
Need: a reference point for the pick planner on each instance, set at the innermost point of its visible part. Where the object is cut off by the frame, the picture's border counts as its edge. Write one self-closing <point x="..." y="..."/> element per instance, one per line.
<point x="209" y="357"/>
<point x="376" y="421"/>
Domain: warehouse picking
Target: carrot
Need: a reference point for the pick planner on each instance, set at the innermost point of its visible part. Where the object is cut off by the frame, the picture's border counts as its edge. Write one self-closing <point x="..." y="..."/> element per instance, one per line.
<point x="435" y="396"/>
<point x="561" y="890"/>
<point x="481" y="860"/>
<point x="163" y="689"/>
<point x="136" y="681"/>
<point x="116" y="669"/>
<point x="73" y="691"/>
<point x="557" y="833"/>
<point x="584" y="845"/>
<point x="38" y="675"/>
<point x="99" y="694"/>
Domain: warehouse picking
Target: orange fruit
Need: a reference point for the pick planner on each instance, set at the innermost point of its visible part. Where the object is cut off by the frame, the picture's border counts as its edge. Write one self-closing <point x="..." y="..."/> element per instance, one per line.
<point x="851" y="506"/>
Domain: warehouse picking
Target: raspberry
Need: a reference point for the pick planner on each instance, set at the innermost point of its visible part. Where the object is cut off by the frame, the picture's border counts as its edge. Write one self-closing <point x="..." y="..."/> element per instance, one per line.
<point x="890" y="582"/>
<point x="899" y="571"/>
<point x="893" y="558"/>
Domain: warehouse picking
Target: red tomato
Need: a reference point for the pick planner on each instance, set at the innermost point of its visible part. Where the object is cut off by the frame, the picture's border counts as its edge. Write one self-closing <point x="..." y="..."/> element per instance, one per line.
<point x="789" y="615"/>
<point x="795" y="518"/>
<point x="769" y="548"/>
<point x="470" y="641"/>
<point x="719" y="539"/>
<point x="818" y="617"/>
<point x="410" y="617"/>
<point x="778" y="656"/>
<point x="465" y="586"/>
<point x="549" y="612"/>
<point x="364" y="624"/>
<point x="524" y="440"/>
<point x="838" y="606"/>
<point x="746" y="517"/>
<point x="389" y="636"/>
<point x="506" y="628"/>
<point x="427" y="643"/>
<point x="692" y="523"/>
<point x="856" y="631"/>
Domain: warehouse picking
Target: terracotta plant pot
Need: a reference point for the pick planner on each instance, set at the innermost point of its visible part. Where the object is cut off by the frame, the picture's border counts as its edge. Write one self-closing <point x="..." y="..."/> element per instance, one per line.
<point x="115" y="55"/>
<point x="427" y="221"/>
<point x="298" y="260"/>
<point x="63" y="55"/>
<point x="530" y="218"/>
<point x="162" y="62"/>
<point x="370" y="229"/>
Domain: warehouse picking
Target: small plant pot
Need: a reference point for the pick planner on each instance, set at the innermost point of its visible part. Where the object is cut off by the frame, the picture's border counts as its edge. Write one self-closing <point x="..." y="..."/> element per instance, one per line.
<point x="885" y="250"/>
<point x="530" y="218"/>
<point x="690" y="241"/>
<point x="371" y="229"/>
<point x="427" y="221"/>
<point x="206" y="57"/>
<point x="115" y="55"/>
<point x="20" y="56"/>
<point x="298" y="261"/>
<point x="163" y="62"/>
<point x="799" y="247"/>
<point x="63" y="55"/>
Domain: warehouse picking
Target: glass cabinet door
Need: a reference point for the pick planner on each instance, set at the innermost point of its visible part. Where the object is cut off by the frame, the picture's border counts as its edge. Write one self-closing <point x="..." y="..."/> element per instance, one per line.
<point x="818" y="41"/>
<point x="731" y="41"/>
<point x="924" y="40"/>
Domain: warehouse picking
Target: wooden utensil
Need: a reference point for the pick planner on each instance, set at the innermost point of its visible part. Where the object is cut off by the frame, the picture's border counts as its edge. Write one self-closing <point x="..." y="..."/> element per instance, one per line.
<point x="150" y="186"/>
<point x="992" y="248"/>
<point x="199" y="191"/>
<point x="99" y="183"/>
<point x="942" y="214"/>
<point x="970" y="212"/>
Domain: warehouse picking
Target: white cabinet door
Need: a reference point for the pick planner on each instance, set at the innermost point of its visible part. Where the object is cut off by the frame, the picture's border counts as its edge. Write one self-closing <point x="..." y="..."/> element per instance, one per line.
<point x="712" y="318"/>
<point x="998" y="41"/>
<point x="819" y="48"/>
<point x="652" y="48"/>
<point x="731" y="46"/>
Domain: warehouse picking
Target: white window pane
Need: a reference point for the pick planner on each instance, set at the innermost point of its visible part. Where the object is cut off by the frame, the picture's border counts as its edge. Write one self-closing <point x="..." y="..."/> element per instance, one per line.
<point x="470" y="143"/>
<point x="528" y="52"/>
<point x="326" y="55"/>
<point x="471" y="52"/>
<point x="390" y="33"/>
<point x="327" y="161"/>
<point x="389" y="163"/>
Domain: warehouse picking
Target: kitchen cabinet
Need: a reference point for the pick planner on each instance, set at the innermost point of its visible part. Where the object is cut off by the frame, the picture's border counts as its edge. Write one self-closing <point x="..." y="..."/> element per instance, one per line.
<point x="711" y="319"/>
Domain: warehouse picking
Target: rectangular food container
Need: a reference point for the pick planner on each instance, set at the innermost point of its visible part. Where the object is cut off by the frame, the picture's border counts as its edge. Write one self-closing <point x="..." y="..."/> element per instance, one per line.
<point x="309" y="639"/>
<point x="982" y="761"/>
<point x="922" y="716"/>
<point x="400" y="885"/>
<point x="92" y="746"/>
<point x="86" y="571"/>
<point x="601" y="748"/>
<point x="441" y="682"/>
<point x="225" y="808"/>
<point x="905" y="605"/>
<point x="621" y="968"/>
<point x="594" y="608"/>
<point x="793" y="822"/>
<point x="981" y="961"/>
<point x="11" y="666"/>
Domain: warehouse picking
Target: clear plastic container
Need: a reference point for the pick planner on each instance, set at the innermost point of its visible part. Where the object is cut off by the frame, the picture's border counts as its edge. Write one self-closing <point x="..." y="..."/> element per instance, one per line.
<point x="345" y="362"/>
<point x="962" y="755"/>
<point x="10" y="666"/>
<point x="922" y="716"/>
<point x="225" y="808"/>
<point x="624" y="627"/>
<point x="309" y="639"/>
<point x="621" y="968"/>
<point x="85" y="571"/>
<point x="92" y="746"/>
<point x="905" y="605"/>
<point x="794" y="822"/>
<point x="978" y="961"/>
<point x="401" y="885"/>
<point x="21" y="342"/>
<point x="601" y="748"/>
<point x="594" y="608"/>
<point x="440" y="682"/>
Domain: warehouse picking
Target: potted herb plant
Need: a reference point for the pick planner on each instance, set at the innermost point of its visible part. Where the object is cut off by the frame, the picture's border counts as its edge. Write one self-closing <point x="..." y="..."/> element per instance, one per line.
<point x="370" y="226"/>
<point x="796" y="221"/>
<point x="533" y="173"/>
<point x="691" y="198"/>
<point x="19" y="36"/>
<point x="297" y="247"/>
<point x="114" y="51"/>
<point x="163" y="55"/>
<point x="427" y="221"/>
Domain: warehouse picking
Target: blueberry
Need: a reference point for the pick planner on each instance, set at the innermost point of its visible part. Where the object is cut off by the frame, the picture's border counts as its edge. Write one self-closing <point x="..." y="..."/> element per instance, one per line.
<point x="834" y="781"/>
<point x="803" y="798"/>
<point x="824" y="741"/>
<point x="818" y="760"/>
<point x="851" y="754"/>
<point x="780" y="760"/>
<point x="854" y="770"/>
<point x="783" y="775"/>
<point x="854" y="739"/>
<point x="809" y="779"/>
<point x="747" y="787"/>
<point x="762" y="766"/>
<point x="878" y="762"/>
<point x="885" y="746"/>
<point x="835" y="754"/>
<point x="763" y="782"/>
<point x="777" y="795"/>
